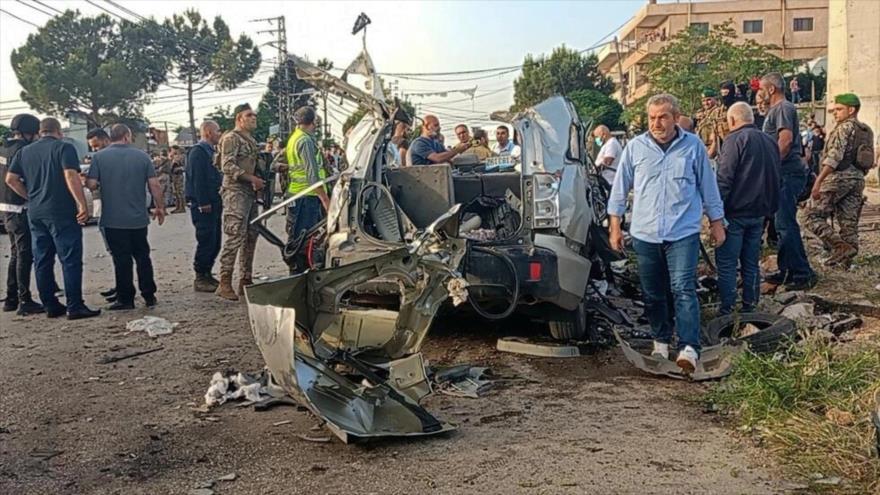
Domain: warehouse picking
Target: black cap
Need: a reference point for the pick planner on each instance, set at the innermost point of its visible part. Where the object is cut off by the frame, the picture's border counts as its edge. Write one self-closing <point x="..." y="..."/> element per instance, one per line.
<point x="241" y="108"/>
<point x="25" y="123"/>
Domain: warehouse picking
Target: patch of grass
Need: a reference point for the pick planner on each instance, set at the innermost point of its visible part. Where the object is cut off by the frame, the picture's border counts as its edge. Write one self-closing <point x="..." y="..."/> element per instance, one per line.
<point x="812" y="406"/>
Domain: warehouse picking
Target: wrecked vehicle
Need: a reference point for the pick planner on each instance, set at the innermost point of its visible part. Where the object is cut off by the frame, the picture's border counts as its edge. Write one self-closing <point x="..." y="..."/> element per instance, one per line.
<point x="533" y="233"/>
<point x="355" y="366"/>
<point x="343" y="339"/>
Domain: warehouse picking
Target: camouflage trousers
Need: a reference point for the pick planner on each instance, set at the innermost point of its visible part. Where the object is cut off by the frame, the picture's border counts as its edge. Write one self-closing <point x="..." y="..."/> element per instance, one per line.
<point x="239" y="208"/>
<point x="842" y="200"/>
<point x="164" y="185"/>
<point x="177" y="190"/>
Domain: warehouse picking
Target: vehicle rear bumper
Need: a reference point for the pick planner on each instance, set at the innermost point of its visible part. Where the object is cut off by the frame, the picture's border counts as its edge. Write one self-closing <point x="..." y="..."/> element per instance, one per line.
<point x="549" y="272"/>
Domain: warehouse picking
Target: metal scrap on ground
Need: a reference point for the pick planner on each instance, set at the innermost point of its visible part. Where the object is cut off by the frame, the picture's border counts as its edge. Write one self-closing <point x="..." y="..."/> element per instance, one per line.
<point x="715" y="361"/>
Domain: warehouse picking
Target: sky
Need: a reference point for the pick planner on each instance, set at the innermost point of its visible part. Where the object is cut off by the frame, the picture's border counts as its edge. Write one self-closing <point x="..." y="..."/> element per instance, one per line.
<point x="404" y="37"/>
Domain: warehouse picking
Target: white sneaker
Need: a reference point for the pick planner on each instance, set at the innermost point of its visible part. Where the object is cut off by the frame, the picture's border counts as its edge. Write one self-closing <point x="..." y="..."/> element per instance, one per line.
<point x="661" y="350"/>
<point x="687" y="359"/>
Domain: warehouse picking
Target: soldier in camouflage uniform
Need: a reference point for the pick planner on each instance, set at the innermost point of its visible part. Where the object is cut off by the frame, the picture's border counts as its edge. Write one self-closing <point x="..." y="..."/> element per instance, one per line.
<point x="712" y="124"/>
<point x="163" y="172"/>
<point x="177" y="184"/>
<point x="237" y="160"/>
<point x="838" y="188"/>
<point x="704" y="123"/>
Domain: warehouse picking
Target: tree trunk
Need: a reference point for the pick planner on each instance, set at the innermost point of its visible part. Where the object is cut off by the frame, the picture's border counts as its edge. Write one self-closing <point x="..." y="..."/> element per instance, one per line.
<point x="192" y="116"/>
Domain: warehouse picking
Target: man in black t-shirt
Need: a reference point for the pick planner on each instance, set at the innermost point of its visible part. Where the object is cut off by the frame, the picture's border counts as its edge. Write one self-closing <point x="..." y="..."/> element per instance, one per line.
<point x="13" y="208"/>
<point x="46" y="173"/>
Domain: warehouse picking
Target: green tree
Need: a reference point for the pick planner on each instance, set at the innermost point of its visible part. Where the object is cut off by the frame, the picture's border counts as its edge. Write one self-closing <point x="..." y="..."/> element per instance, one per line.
<point x="93" y="65"/>
<point x="4" y="131"/>
<point x="806" y="80"/>
<point x="222" y="115"/>
<point x="358" y="114"/>
<point x="203" y="55"/>
<point x="563" y="72"/>
<point x="635" y="115"/>
<point x="597" y="107"/>
<point x="296" y="92"/>
<point x="694" y="59"/>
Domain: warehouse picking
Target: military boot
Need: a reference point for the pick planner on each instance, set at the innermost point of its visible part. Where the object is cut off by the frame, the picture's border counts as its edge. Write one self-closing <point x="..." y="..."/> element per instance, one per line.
<point x="842" y="255"/>
<point x="205" y="283"/>
<point x="225" y="289"/>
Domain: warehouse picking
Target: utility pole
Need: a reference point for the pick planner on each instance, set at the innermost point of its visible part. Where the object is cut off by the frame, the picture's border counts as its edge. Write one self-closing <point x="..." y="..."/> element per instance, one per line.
<point x="326" y="133"/>
<point x="623" y="82"/>
<point x="282" y="96"/>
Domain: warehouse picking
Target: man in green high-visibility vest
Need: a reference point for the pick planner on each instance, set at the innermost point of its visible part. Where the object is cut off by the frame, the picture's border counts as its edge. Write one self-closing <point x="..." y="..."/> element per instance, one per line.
<point x="305" y="167"/>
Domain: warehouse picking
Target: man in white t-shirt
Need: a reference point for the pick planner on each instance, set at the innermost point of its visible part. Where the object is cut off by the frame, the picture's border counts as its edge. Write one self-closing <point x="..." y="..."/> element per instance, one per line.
<point x="609" y="153"/>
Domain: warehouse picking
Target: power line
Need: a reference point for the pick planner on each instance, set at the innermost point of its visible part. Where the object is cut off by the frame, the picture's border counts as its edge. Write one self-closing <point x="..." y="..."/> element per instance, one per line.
<point x="49" y="7"/>
<point x="477" y="78"/>
<point x="496" y="69"/>
<point x="19" y="18"/>
<point x="490" y="93"/>
<point x="200" y="48"/>
<point x="35" y="8"/>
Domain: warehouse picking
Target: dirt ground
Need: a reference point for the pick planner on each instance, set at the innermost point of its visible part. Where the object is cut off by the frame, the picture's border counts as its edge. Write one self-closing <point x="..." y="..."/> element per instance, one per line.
<point x="583" y="425"/>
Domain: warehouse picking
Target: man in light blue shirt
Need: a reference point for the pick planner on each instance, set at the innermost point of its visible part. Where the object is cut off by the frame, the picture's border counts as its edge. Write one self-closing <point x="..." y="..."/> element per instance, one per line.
<point x="673" y="184"/>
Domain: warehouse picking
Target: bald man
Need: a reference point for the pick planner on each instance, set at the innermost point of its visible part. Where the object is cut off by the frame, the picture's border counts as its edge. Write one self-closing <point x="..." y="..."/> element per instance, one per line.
<point x="609" y="153"/>
<point x="427" y="148"/>
<point x="749" y="177"/>
<point x="203" y="182"/>
<point x="686" y="123"/>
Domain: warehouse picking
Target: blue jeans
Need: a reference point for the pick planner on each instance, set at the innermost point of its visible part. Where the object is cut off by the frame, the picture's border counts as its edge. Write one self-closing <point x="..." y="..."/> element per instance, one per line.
<point x="307" y="213"/>
<point x="792" y="258"/>
<point x="64" y="239"/>
<point x="668" y="273"/>
<point x="743" y="245"/>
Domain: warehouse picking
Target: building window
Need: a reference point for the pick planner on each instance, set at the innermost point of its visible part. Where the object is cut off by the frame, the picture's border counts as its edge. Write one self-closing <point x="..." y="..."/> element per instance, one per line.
<point x="700" y="27"/>
<point x="803" y="23"/>
<point x="752" y="27"/>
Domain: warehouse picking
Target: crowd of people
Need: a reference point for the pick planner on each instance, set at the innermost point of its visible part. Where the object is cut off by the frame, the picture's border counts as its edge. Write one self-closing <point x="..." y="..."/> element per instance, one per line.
<point x="744" y="178"/>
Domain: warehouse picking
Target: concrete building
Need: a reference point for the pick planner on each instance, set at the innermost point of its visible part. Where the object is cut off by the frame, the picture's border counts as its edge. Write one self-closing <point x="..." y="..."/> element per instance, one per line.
<point x="798" y="27"/>
<point x="854" y="57"/>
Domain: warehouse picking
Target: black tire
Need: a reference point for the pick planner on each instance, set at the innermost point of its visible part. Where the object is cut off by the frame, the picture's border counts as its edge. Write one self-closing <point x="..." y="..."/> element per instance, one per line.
<point x="774" y="332"/>
<point x="575" y="326"/>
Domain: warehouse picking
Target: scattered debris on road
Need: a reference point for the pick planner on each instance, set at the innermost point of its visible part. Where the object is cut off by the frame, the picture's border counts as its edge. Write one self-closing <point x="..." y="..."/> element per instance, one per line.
<point x="113" y="358"/>
<point x="153" y="325"/>
<point x="45" y="455"/>
<point x="234" y="386"/>
<point x="715" y="361"/>
<point x="519" y="345"/>
<point x="463" y="381"/>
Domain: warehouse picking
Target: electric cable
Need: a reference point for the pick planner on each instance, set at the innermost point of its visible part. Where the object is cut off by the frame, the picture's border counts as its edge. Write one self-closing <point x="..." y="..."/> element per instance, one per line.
<point x="515" y="292"/>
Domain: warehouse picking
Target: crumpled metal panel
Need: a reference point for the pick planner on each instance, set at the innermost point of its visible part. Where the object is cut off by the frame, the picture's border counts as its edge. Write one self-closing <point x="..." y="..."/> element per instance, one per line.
<point x="575" y="213"/>
<point x="357" y="369"/>
<point x="546" y="128"/>
<point x="715" y="361"/>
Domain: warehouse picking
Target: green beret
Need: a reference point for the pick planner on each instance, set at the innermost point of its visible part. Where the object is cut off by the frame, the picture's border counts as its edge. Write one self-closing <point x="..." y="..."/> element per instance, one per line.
<point x="241" y="108"/>
<point x="709" y="93"/>
<point x="848" y="99"/>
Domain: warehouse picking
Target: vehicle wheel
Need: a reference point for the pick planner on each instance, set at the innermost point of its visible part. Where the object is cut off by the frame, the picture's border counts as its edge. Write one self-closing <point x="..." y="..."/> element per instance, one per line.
<point x="774" y="331"/>
<point x="575" y="326"/>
